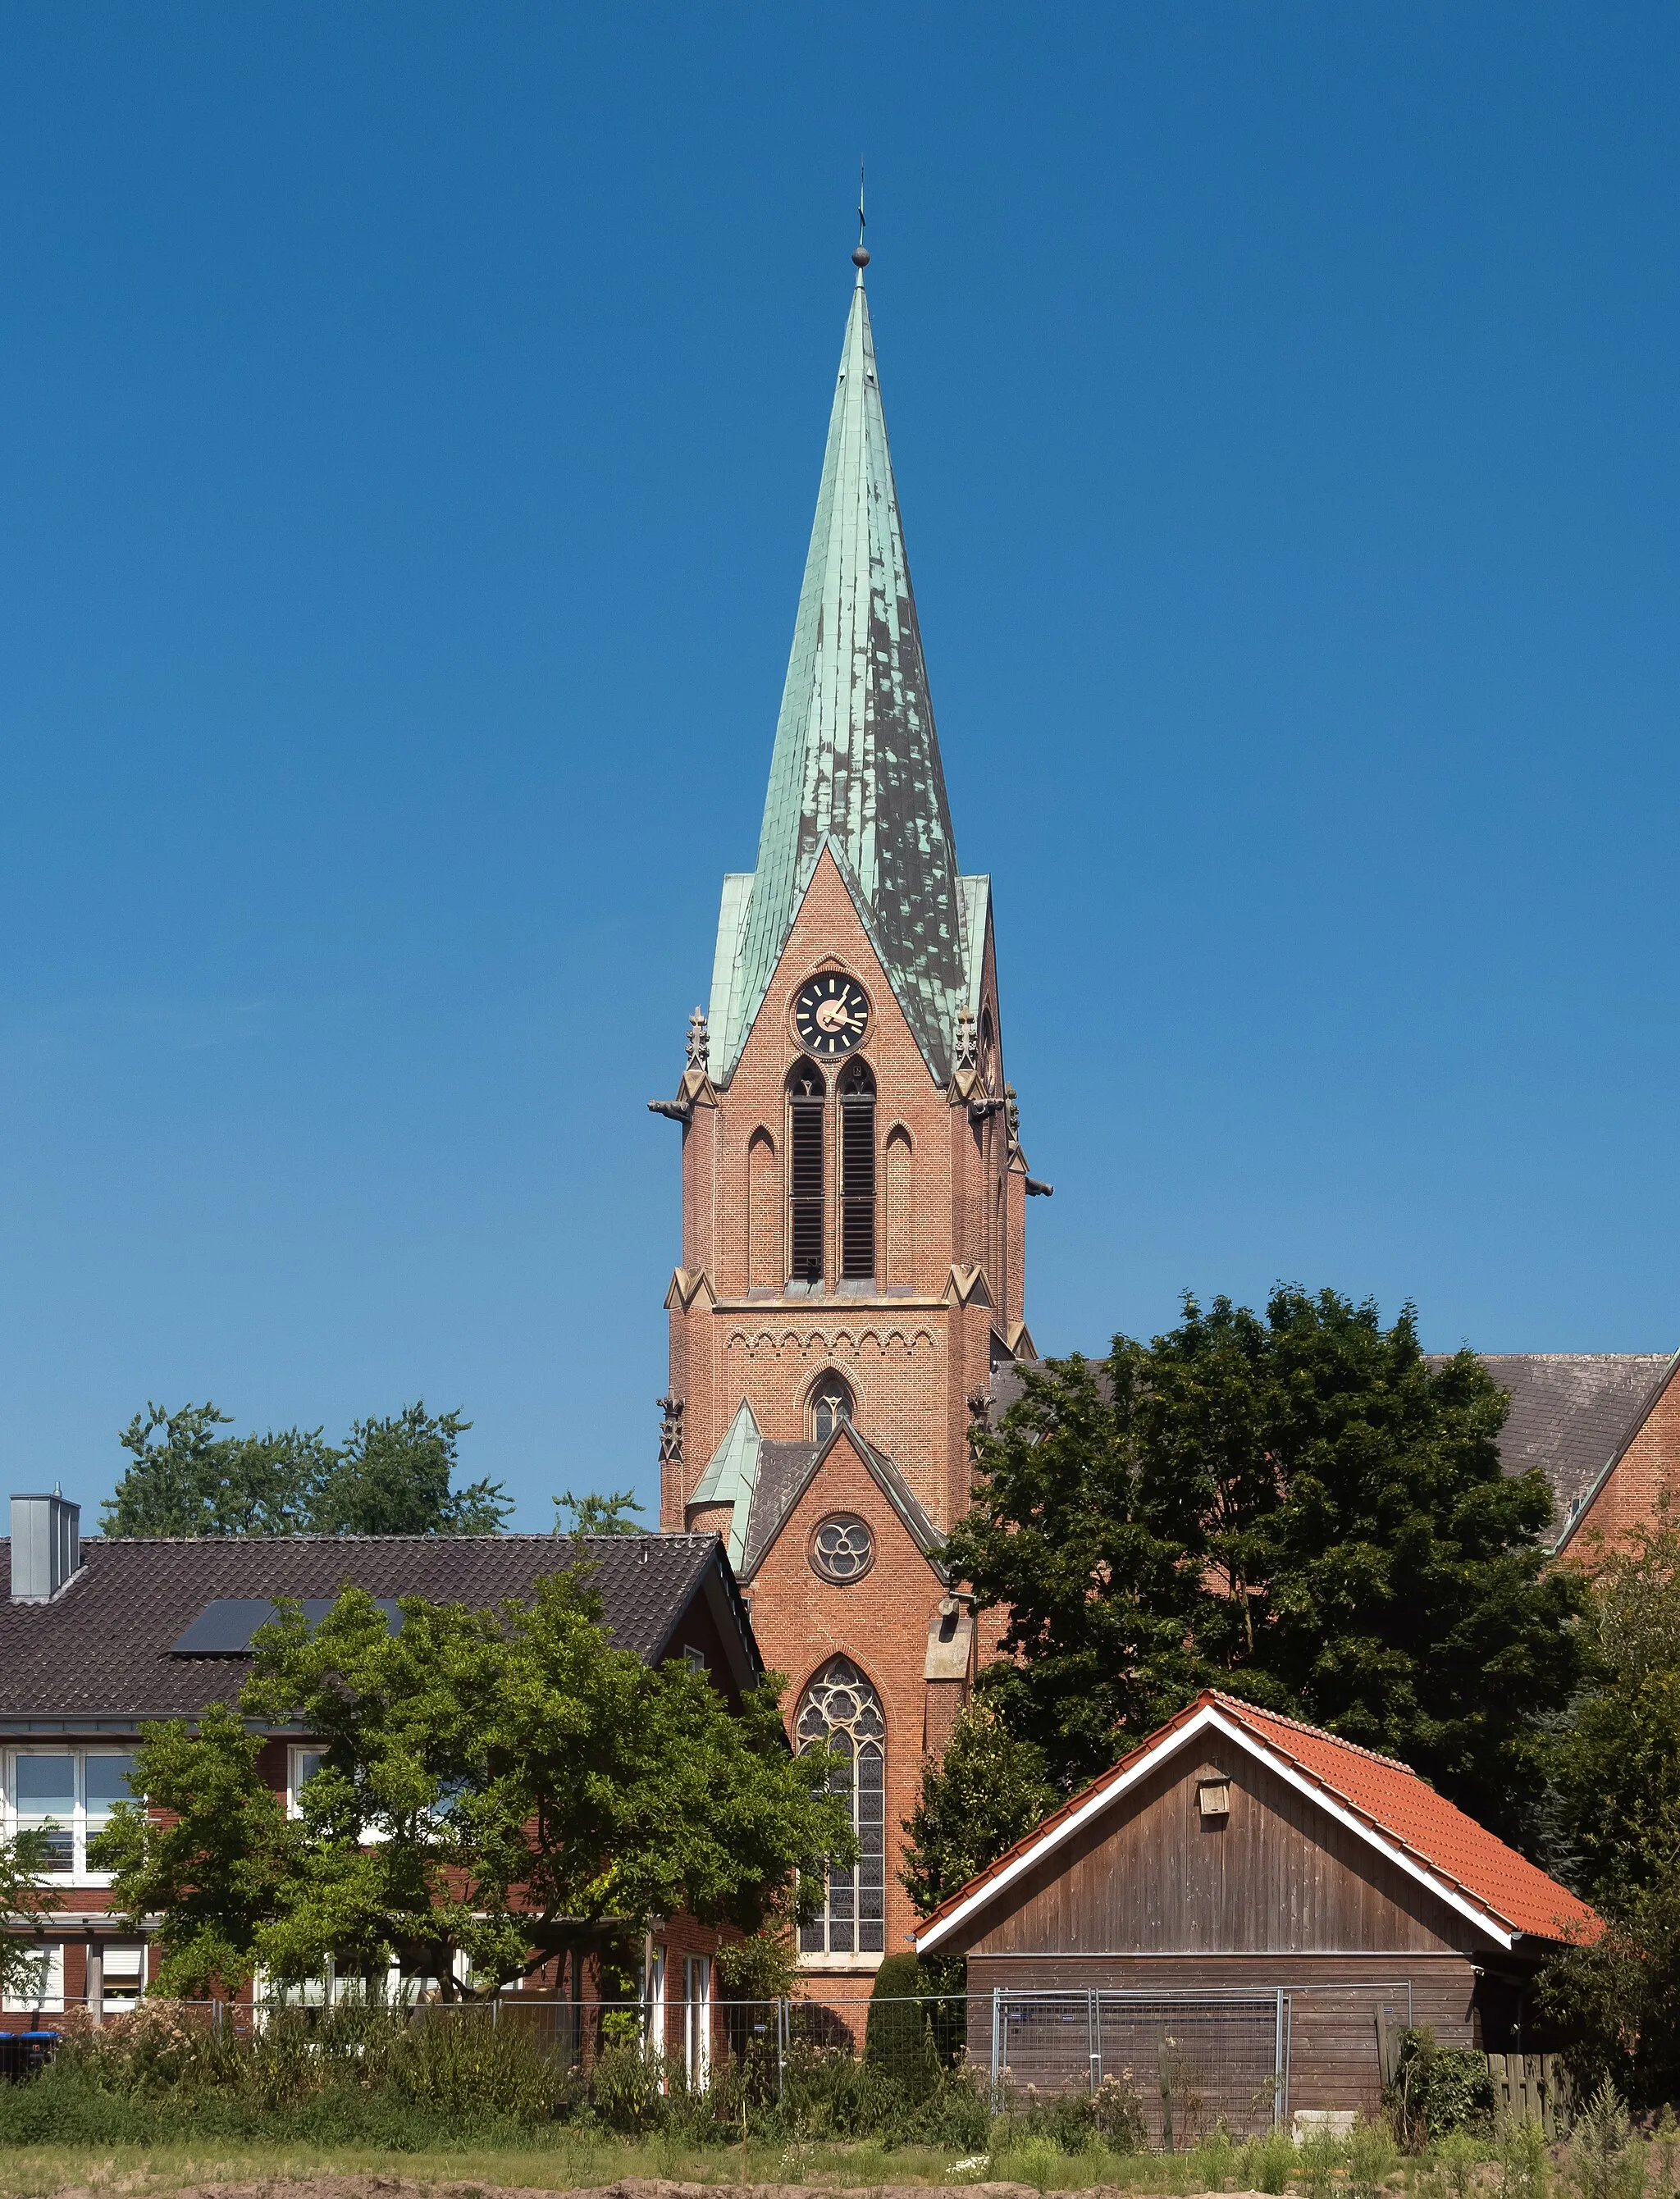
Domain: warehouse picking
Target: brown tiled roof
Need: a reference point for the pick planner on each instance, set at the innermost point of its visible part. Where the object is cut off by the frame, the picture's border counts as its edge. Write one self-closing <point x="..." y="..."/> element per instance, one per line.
<point x="1382" y="1793"/>
<point x="100" y="1649"/>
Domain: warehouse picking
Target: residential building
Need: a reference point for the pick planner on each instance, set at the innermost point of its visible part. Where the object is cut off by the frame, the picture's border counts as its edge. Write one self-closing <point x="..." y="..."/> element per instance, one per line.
<point x="99" y="1637"/>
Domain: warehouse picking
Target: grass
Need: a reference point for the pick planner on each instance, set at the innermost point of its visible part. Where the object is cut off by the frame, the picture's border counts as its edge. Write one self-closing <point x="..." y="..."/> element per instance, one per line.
<point x="562" y="2158"/>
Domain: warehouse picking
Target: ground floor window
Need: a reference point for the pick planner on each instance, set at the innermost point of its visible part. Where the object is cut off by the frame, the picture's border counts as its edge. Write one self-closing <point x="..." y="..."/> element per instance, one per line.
<point x="122" y="1974"/>
<point x="698" y="2018"/>
<point x="842" y="1709"/>
<point x="654" y="1998"/>
<point x="41" y="1988"/>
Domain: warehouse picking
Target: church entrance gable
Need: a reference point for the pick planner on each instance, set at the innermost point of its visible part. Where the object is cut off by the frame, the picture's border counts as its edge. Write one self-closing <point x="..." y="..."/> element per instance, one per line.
<point x="848" y="1578"/>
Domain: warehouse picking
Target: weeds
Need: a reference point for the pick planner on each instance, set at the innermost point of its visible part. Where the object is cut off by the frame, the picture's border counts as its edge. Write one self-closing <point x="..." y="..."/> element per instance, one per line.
<point x="1372" y="2158"/>
<point x="1519" y="2148"/>
<point x="1601" y="2162"/>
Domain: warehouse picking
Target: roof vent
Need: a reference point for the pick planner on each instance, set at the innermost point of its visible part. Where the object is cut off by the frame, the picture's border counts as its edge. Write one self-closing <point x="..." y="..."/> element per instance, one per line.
<point x="46" y="1546"/>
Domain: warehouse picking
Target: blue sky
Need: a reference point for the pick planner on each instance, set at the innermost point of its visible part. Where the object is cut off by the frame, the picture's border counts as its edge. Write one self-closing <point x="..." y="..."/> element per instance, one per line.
<point x="410" y="419"/>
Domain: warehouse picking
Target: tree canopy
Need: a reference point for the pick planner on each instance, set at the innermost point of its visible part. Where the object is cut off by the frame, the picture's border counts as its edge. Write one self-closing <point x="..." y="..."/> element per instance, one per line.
<point x="986" y="1793"/>
<point x="503" y="1786"/>
<point x="595" y="1513"/>
<point x="1298" y="1508"/>
<point x="387" y="1477"/>
<point x="1613" y="1822"/>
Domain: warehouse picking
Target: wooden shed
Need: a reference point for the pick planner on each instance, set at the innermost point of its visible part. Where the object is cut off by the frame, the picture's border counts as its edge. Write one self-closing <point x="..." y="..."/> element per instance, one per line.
<point x="1237" y="1921"/>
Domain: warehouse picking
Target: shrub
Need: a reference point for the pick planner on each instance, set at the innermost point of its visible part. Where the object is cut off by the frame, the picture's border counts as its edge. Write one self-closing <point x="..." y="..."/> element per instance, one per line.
<point x="1437" y="2090"/>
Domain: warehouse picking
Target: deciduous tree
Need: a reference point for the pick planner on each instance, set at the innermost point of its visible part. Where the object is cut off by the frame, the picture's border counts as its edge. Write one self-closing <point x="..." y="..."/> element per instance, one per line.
<point x="501" y="1785"/>
<point x="389" y="1476"/>
<point x="988" y="1792"/>
<point x="1300" y="1508"/>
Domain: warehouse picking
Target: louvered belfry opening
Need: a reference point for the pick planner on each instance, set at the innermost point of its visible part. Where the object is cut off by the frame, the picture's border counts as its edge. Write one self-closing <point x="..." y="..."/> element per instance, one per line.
<point x="808" y="1106"/>
<point x="857" y="1174"/>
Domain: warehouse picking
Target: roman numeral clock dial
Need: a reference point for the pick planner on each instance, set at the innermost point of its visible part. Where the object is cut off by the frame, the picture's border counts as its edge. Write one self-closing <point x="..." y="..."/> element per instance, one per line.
<point x="830" y="1014"/>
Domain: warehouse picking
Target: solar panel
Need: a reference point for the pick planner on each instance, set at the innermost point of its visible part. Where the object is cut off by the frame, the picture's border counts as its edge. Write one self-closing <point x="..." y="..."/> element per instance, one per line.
<point x="225" y="1627"/>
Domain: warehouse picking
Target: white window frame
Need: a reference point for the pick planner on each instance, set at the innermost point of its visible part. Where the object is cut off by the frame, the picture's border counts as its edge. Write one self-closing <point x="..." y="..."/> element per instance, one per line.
<point x="49" y="2000"/>
<point x="78" y="1825"/>
<point x="697" y="2019"/>
<point x="295" y="1754"/>
<point x="653" y="2002"/>
<point x="121" y="1998"/>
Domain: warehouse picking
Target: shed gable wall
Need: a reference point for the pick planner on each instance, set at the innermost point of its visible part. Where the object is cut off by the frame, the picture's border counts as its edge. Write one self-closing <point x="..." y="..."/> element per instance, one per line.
<point x="1152" y="1876"/>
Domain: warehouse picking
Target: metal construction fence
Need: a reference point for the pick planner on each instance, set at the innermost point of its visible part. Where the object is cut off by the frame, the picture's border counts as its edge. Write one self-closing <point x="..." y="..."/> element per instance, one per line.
<point x="1180" y="2063"/>
<point x="1164" y="2067"/>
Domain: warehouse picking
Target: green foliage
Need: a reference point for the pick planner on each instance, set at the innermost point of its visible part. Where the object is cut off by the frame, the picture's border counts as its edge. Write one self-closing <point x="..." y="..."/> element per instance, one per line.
<point x="214" y="1865"/>
<point x="1665" y="2154"/>
<point x="1320" y="2158"/>
<point x="1270" y="2161"/>
<point x="375" y="2074"/>
<point x="393" y="1478"/>
<point x="1437" y="2090"/>
<point x="389" y="1476"/>
<point x="898" y="2036"/>
<point x="1614" y="1827"/>
<point x="763" y="1967"/>
<point x="1519" y="2148"/>
<point x="1616" y="1768"/>
<point x="500" y="1784"/>
<point x="988" y="1792"/>
<point x="23" y="1899"/>
<point x="1373" y="2157"/>
<point x="1299" y="1508"/>
<point x="597" y="1514"/>
<point x="1601" y="2162"/>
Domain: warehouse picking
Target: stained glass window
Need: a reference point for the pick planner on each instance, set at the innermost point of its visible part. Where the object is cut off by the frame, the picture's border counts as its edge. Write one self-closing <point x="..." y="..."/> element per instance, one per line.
<point x="842" y="1709"/>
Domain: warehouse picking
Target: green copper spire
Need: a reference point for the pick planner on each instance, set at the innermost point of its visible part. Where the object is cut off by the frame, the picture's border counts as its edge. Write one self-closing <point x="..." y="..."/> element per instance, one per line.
<point x="857" y="761"/>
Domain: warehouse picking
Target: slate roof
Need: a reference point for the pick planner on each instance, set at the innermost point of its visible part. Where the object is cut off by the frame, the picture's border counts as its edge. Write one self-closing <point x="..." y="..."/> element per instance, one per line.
<point x="1571" y="1412"/>
<point x="783" y="1469"/>
<point x="856" y="765"/>
<point x="1498" y="1888"/>
<point x="786" y="1470"/>
<point x="100" y="1649"/>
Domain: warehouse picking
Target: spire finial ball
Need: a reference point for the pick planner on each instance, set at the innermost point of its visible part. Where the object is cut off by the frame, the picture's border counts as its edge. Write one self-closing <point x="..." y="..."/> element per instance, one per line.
<point x="861" y="256"/>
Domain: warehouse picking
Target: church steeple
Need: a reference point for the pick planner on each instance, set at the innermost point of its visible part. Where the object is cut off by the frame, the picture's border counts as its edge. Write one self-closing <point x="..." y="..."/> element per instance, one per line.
<point x="857" y="761"/>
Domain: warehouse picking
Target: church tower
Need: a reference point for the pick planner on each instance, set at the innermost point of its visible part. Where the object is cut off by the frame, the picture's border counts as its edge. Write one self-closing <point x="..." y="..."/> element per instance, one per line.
<point x="853" y="1188"/>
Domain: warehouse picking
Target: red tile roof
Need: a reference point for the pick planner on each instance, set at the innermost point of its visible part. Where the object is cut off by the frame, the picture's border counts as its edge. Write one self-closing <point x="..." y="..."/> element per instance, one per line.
<point x="1386" y="1794"/>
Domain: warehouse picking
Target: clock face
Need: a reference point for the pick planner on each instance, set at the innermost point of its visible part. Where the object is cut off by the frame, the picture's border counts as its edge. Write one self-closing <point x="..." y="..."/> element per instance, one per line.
<point x="832" y="1014"/>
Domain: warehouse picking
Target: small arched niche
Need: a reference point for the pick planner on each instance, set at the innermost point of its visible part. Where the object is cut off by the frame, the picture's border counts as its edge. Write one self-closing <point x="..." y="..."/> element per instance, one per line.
<point x="764" y="1213"/>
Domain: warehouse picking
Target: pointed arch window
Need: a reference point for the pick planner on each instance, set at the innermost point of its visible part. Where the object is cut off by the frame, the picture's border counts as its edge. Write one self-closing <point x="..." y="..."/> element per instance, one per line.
<point x="808" y="1108"/>
<point x="857" y="1174"/>
<point x="842" y="1708"/>
<point x="831" y="1403"/>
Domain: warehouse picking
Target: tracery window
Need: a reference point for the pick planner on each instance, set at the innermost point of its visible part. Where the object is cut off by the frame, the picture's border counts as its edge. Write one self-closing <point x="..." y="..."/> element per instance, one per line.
<point x="842" y="1708"/>
<point x="831" y="1403"/>
<point x="807" y="1103"/>
<point x="857" y="1174"/>
<point x="842" y="1549"/>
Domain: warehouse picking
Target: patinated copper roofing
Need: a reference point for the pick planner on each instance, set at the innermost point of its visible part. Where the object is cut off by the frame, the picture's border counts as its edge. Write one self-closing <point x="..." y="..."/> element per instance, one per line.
<point x="857" y="764"/>
<point x="1471" y="1867"/>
